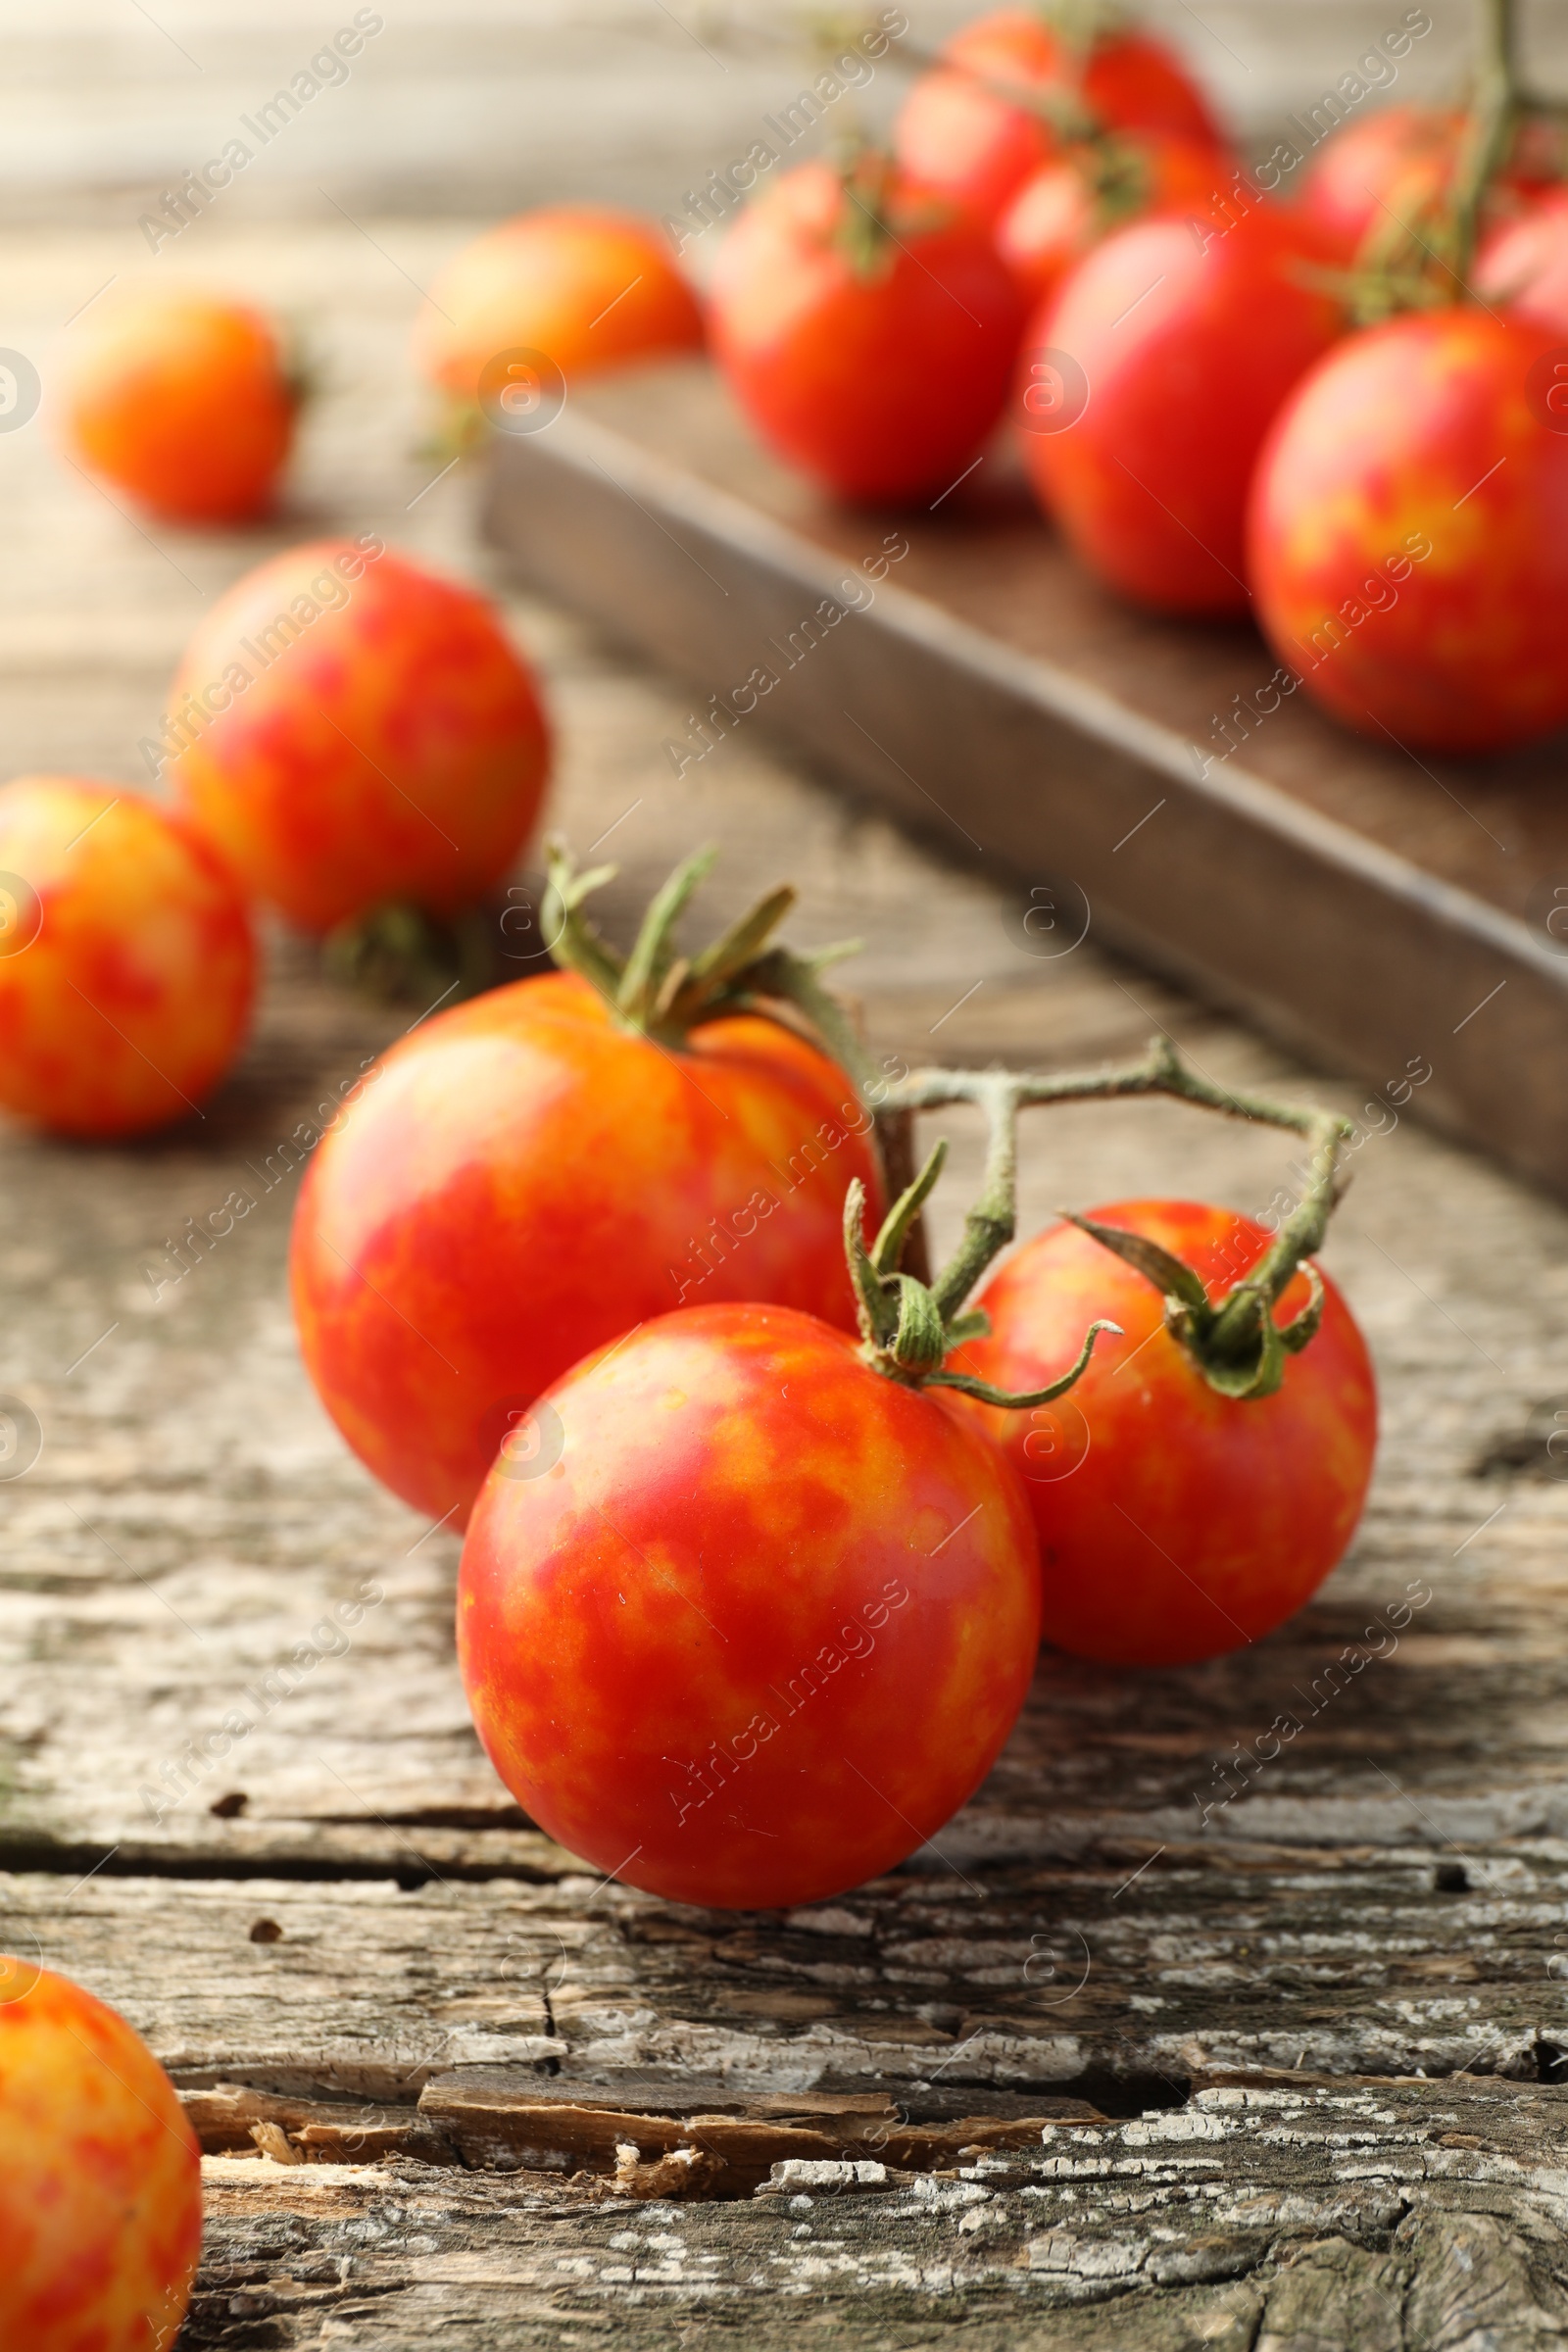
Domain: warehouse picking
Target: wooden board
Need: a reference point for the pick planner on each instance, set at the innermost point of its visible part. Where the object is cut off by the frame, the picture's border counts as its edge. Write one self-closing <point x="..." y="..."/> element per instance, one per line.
<point x="1371" y="907"/>
<point x="1384" y="1902"/>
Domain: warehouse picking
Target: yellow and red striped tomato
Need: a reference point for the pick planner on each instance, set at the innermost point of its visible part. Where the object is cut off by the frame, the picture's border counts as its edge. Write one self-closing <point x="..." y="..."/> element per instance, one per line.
<point x="128" y="965"/>
<point x="351" y="729"/>
<point x="1174" y="1523"/>
<point x="580" y="285"/>
<point x="1522" y="267"/>
<point x="523" y="1180"/>
<point x="762" y="1626"/>
<point x="184" y="402"/>
<point x="100" y="2177"/>
<point x="1408" y="533"/>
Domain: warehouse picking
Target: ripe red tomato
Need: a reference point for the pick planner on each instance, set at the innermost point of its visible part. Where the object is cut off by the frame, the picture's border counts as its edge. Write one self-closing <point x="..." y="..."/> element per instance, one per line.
<point x="1410" y="532"/>
<point x="868" y="345"/>
<point x="184" y="402"/>
<point x="1174" y="1523"/>
<point x="766" y="1623"/>
<point x="127" y="966"/>
<point x="1523" y="266"/>
<point x="1187" y="340"/>
<point x="356" y="729"/>
<point x="1389" y="165"/>
<point x="1059" y="213"/>
<point x="587" y="287"/>
<point x="958" y="136"/>
<point x="100" y="2177"/>
<point x="524" y="1178"/>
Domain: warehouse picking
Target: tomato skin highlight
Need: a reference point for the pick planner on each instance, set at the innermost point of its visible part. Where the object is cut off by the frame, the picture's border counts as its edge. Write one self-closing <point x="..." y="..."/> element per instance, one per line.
<point x="378" y="736"/>
<point x="1194" y="1523"/>
<point x="523" y="1180"/>
<point x="881" y="387"/>
<point x="183" y="402"/>
<point x="100" y="2177"/>
<point x="1188" y="353"/>
<point x="1523" y="266"/>
<point x="958" y="137"/>
<point x="1423" y="432"/>
<point x="590" y="287"/>
<point x="128" y="969"/>
<point x="765" y="1626"/>
<point x="1395" y="160"/>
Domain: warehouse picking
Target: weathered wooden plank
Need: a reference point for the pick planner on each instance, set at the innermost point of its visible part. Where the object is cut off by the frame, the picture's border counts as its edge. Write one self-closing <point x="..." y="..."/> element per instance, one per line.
<point x="1110" y="1981"/>
<point x="1329" y="2215"/>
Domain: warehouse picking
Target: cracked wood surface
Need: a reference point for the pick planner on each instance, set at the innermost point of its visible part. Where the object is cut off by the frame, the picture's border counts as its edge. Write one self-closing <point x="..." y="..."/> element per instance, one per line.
<point x="1283" y="2218"/>
<point x="341" y="1928"/>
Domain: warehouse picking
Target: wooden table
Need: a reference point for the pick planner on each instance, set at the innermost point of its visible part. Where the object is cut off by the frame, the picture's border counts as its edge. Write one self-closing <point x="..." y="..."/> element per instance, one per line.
<point x="1286" y="2068"/>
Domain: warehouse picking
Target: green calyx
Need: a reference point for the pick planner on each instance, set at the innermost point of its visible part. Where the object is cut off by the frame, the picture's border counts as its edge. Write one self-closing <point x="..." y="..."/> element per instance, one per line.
<point x="399" y="954"/>
<point x="1234" y="1343"/>
<point x="910" y="1328"/>
<point x="664" y="995"/>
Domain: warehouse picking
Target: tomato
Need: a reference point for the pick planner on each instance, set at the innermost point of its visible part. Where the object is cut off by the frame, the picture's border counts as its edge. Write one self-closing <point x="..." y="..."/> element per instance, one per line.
<point x="1174" y="1523"/>
<point x="523" y="1179"/>
<point x="350" y="729"/>
<point x="127" y="966"/>
<point x="958" y="136"/>
<point x="870" y="345"/>
<point x="1410" y="532"/>
<point x="1388" y="166"/>
<point x="1059" y="213"/>
<point x="182" y="401"/>
<point x="583" y="287"/>
<point x="100" y="2177"/>
<point x="1186" y="338"/>
<point x="1523" y="266"/>
<point x="762" y="1626"/>
<point x="1396" y="167"/>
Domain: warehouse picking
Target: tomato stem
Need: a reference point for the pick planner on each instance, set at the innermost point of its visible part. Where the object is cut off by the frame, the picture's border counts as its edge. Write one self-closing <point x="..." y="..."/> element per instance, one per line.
<point x="907" y="1333"/>
<point x="1234" y="1341"/>
<point x="1489" y="131"/>
<point x="1424" y="263"/>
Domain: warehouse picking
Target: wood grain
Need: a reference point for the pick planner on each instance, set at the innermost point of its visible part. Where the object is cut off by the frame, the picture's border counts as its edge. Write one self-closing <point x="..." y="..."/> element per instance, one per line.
<point x="1384" y="1899"/>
